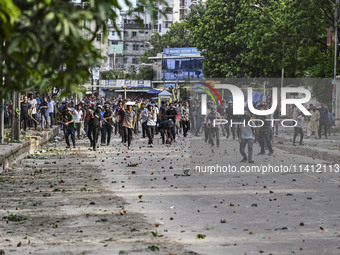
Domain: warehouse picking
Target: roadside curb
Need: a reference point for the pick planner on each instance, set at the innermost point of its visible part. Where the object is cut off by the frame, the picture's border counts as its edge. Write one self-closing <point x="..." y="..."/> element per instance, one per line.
<point x="12" y="152"/>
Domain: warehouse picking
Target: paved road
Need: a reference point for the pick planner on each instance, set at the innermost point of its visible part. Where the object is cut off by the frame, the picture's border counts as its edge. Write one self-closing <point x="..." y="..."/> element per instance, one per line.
<point x="81" y="202"/>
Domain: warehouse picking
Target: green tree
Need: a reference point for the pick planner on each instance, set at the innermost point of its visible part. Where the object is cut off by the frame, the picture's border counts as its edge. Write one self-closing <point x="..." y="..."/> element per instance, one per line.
<point x="43" y="43"/>
<point x="178" y="36"/>
<point x="257" y="38"/>
<point x="145" y="73"/>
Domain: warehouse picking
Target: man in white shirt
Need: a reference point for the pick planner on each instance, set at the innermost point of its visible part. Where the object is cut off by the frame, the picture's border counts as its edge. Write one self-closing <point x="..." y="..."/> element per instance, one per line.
<point x="78" y="118"/>
<point x="33" y="104"/>
<point x="50" y="109"/>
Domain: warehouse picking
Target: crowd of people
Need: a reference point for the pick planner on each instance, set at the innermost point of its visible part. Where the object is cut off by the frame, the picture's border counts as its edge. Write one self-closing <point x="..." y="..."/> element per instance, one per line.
<point x="99" y="117"/>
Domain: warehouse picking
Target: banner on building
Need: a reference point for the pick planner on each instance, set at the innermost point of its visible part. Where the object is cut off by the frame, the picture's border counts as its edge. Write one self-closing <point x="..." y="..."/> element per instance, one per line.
<point x="129" y="83"/>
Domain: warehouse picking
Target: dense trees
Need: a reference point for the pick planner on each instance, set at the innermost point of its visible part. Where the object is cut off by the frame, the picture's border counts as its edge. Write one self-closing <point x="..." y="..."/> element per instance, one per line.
<point x="258" y="38"/>
<point x="43" y="43"/>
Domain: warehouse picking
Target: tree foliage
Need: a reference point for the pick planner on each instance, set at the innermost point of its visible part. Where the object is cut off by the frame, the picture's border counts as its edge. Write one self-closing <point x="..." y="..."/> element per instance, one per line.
<point x="247" y="38"/>
<point x="43" y="42"/>
<point x="178" y="36"/>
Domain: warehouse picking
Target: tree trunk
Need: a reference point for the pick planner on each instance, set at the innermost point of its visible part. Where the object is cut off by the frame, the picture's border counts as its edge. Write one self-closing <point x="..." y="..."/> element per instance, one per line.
<point x="16" y="117"/>
<point x="2" y="120"/>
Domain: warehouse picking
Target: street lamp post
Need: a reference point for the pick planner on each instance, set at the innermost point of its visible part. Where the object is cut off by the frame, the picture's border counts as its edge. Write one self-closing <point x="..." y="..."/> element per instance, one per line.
<point x="125" y="88"/>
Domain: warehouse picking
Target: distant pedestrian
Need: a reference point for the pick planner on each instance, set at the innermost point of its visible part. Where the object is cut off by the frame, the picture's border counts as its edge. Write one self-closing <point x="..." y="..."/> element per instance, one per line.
<point x="313" y="125"/>
<point x="108" y="125"/>
<point x="25" y="106"/>
<point x="171" y="113"/>
<point x="151" y="123"/>
<point x="44" y="113"/>
<point x="212" y="128"/>
<point x="94" y="124"/>
<point x="324" y="120"/>
<point x="129" y="121"/>
<point x="50" y="110"/>
<point x="185" y="115"/>
<point x="264" y="136"/>
<point x="165" y="128"/>
<point x="70" y="128"/>
<point x="298" y="128"/>
<point x="246" y="137"/>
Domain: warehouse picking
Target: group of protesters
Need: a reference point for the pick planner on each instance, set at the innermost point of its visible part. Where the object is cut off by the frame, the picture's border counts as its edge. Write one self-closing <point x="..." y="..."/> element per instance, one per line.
<point x="100" y="117"/>
<point x="126" y="118"/>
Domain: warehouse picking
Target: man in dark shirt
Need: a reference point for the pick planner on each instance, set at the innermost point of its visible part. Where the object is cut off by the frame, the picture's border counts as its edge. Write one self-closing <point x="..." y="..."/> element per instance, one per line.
<point x="163" y="110"/>
<point x="264" y="136"/>
<point x="165" y="129"/>
<point x="323" y="121"/>
<point x="94" y="124"/>
<point x="43" y="111"/>
<point x="24" y="112"/>
<point x="171" y="113"/>
<point x="70" y="128"/>
<point x="108" y="125"/>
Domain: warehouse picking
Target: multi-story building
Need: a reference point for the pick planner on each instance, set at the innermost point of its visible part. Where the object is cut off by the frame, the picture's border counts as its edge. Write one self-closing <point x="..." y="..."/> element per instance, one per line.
<point x="122" y="51"/>
<point x="180" y="7"/>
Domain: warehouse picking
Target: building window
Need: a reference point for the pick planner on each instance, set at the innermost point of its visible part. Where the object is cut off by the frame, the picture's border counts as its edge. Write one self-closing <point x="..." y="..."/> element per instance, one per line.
<point x="135" y="61"/>
<point x="126" y="46"/>
<point x="135" y="47"/>
<point x="125" y="60"/>
<point x="112" y="33"/>
<point x="167" y="24"/>
<point x="134" y="34"/>
<point x="126" y="34"/>
<point x="181" y="15"/>
<point x="99" y="37"/>
<point x="168" y="10"/>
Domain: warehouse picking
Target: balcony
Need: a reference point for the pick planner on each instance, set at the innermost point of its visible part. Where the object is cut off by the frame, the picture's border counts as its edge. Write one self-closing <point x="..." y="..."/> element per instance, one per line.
<point x="136" y="26"/>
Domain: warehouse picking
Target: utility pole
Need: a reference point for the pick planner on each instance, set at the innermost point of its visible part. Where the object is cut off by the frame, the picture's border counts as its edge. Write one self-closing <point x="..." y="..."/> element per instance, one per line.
<point x="335" y="94"/>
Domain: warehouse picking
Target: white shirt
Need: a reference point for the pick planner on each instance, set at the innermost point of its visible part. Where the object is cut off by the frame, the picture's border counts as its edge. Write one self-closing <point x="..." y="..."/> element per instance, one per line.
<point x="152" y="119"/>
<point x="144" y="115"/>
<point x="156" y="109"/>
<point x="78" y="115"/>
<point x="50" y="106"/>
<point x="33" y="104"/>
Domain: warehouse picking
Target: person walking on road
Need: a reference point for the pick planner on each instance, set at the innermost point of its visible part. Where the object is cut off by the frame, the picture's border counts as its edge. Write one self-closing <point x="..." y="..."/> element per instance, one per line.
<point x="185" y="118"/>
<point x="151" y="123"/>
<point x="298" y="128"/>
<point x="212" y="129"/>
<point x="70" y="128"/>
<point x="313" y="124"/>
<point x="25" y="106"/>
<point x="108" y="125"/>
<point x="171" y="113"/>
<point x="129" y="121"/>
<point x="324" y="120"/>
<point x="165" y="128"/>
<point x="50" y="109"/>
<point x="43" y="112"/>
<point x="33" y="104"/>
<point x="246" y="137"/>
<point x="143" y="118"/>
<point x="78" y="118"/>
<point x="264" y="136"/>
<point x="94" y="124"/>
